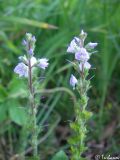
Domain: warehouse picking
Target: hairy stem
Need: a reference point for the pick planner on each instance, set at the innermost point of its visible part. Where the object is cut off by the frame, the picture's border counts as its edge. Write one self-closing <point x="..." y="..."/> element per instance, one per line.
<point x="33" y="112"/>
<point x="79" y="126"/>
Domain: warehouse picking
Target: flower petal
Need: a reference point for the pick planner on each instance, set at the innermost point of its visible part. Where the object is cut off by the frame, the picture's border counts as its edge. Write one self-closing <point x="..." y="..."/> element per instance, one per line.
<point x="74" y="45"/>
<point x="82" y="55"/>
<point x="85" y="65"/>
<point x="21" y="69"/>
<point x="43" y="63"/>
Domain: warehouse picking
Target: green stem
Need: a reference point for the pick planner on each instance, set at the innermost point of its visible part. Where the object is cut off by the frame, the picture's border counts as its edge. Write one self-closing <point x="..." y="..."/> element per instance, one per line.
<point x="79" y="126"/>
<point x="34" y="110"/>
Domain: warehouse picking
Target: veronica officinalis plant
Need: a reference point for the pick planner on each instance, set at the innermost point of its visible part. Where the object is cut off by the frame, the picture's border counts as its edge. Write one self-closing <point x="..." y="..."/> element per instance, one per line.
<point x="81" y="85"/>
<point x="26" y="69"/>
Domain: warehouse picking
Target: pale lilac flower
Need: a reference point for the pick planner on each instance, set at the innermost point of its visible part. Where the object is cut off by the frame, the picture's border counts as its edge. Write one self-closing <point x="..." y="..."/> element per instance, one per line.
<point x="43" y="63"/>
<point x="74" y="45"/>
<point x="21" y="69"/>
<point x="85" y="65"/>
<point x="73" y="81"/>
<point x="82" y="55"/>
<point x="92" y="45"/>
<point x="33" y="61"/>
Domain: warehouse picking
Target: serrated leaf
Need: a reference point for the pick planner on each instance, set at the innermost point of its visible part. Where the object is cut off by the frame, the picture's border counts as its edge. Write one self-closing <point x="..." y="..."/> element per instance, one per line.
<point x="60" y="156"/>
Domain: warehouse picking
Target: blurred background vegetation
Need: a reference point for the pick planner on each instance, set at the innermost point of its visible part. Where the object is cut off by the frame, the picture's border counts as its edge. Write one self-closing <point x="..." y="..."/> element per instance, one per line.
<point x="55" y="23"/>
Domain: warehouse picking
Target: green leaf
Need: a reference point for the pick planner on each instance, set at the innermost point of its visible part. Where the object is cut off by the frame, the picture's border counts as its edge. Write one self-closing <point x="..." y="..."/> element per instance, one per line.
<point x="60" y="156"/>
<point x="17" y="88"/>
<point x="17" y="113"/>
<point x="22" y="20"/>
<point x="87" y="114"/>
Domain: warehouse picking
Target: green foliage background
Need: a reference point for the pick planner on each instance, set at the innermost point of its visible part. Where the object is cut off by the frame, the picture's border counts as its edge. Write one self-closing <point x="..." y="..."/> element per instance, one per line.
<point x="55" y="23"/>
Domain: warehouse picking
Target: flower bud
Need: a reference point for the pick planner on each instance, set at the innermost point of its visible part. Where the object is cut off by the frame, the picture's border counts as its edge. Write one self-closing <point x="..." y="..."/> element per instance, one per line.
<point x="73" y="81"/>
<point x="24" y="42"/>
<point x="28" y="36"/>
<point x="30" y="51"/>
<point x="83" y="35"/>
<point x="33" y="39"/>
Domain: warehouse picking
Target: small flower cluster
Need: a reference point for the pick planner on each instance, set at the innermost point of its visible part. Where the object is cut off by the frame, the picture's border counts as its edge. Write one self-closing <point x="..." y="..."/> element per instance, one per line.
<point x="22" y="68"/>
<point x="82" y="54"/>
